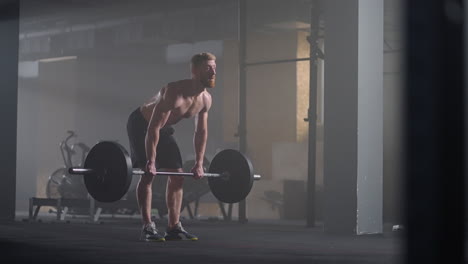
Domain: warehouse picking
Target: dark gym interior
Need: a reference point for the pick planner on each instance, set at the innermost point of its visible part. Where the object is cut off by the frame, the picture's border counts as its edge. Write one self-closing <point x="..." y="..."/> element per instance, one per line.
<point x="346" y="120"/>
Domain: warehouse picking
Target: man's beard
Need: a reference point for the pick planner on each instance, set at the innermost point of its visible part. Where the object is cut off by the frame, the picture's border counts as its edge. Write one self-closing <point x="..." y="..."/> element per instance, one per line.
<point x="209" y="83"/>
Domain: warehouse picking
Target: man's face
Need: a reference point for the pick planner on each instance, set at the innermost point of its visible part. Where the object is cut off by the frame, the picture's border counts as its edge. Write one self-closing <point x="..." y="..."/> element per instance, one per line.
<point x="206" y="73"/>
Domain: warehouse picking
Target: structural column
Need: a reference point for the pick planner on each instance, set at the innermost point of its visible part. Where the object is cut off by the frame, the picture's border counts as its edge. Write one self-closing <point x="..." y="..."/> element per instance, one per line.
<point x="353" y="123"/>
<point x="242" y="93"/>
<point x="9" y="28"/>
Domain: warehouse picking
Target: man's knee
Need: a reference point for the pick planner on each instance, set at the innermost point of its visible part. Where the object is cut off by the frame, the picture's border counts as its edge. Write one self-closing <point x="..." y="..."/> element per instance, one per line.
<point x="146" y="179"/>
<point x="176" y="181"/>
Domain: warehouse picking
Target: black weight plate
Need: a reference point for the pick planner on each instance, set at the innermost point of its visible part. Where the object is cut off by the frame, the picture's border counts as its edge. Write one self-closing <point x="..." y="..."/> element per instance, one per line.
<point x="239" y="184"/>
<point x="112" y="172"/>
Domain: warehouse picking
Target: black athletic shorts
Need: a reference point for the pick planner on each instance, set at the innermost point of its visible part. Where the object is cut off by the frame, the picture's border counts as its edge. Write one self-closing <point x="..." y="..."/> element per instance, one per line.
<point x="167" y="152"/>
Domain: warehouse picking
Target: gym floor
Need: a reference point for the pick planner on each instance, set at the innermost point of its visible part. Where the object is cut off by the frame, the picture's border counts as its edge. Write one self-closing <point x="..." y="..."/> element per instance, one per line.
<point x="116" y="241"/>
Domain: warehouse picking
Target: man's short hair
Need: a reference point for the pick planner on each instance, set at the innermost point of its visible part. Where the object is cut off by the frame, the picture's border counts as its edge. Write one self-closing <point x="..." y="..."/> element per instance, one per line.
<point x="197" y="59"/>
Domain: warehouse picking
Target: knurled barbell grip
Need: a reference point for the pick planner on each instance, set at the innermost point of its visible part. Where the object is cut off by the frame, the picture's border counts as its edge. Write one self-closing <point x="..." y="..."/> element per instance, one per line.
<point x="166" y="173"/>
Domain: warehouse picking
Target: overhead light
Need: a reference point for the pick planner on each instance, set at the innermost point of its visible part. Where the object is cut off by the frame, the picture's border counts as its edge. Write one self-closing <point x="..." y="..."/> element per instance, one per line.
<point x="64" y="58"/>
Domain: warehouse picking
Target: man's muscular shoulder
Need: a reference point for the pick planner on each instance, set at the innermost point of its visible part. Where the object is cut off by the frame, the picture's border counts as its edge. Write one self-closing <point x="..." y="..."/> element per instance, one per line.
<point x="174" y="90"/>
<point x="179" y="85"/>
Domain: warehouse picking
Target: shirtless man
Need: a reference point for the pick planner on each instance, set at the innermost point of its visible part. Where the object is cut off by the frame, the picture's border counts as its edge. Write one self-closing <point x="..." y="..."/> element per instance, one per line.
<point x="154" y="148"/>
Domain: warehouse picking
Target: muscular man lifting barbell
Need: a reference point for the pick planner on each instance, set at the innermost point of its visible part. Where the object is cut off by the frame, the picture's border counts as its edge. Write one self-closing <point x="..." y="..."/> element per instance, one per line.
<point x="108" y="168"/>
<point x="153" y="147"/>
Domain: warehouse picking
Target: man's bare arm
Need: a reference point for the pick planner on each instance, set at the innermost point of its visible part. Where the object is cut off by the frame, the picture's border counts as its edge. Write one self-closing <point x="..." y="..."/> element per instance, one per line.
<point x="201" y="136"/>
<point x="161" y="113"/>
<point x="201" y="133"/>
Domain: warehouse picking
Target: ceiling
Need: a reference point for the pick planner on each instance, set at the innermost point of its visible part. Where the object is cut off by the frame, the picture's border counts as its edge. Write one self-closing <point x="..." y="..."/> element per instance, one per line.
<point x="96" y="27"/>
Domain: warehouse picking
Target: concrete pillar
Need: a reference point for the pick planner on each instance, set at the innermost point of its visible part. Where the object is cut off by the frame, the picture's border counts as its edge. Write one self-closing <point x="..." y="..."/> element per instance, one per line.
<point x="353" y="125"/>
<point x="9" y="26"/>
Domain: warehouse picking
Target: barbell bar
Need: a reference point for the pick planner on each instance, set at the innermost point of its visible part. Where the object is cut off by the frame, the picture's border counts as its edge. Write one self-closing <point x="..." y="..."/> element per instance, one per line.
<point x="83" y="171"/>
<point x="108" y="173"/>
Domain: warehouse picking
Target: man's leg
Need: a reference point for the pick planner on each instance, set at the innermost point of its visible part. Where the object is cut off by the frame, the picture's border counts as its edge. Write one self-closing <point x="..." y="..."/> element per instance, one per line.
<point x="144" y="197"/>
<point x="136" y="130"/>
<point x="174" y="194"/>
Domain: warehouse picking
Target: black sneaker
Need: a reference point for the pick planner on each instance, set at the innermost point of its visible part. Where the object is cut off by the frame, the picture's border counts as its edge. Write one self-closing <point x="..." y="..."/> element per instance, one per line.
<point x="179" y="233"/>
<point x="150" y="233"/>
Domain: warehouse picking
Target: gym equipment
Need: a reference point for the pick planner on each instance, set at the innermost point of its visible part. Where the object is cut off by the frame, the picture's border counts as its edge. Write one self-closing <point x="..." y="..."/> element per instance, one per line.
<point x="108" y="173"/>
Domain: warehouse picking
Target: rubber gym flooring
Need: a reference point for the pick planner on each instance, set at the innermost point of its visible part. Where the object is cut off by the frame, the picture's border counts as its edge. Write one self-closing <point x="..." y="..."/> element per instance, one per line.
<point x="116" y="241"/>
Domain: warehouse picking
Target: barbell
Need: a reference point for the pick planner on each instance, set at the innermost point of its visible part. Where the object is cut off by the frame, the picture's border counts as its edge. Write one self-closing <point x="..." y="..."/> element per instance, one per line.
<point x="108" y="173"/>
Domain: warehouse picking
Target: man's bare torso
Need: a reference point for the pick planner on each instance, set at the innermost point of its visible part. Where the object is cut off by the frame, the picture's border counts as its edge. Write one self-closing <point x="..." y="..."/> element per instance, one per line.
<point x="187" y="104"/>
